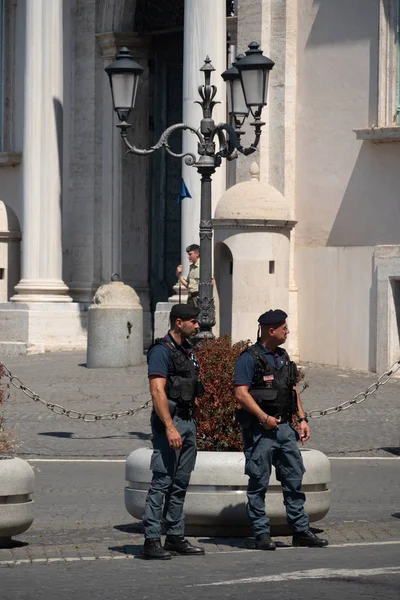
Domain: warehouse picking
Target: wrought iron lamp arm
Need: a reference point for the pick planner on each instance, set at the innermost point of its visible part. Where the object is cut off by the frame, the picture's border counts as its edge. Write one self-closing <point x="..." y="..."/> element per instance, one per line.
<point x="231" y="143"/>
<point x="190" y="158"/>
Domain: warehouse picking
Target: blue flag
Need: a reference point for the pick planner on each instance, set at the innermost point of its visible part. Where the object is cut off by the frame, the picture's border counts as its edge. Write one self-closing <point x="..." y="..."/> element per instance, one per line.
<point x="184" y="192"/>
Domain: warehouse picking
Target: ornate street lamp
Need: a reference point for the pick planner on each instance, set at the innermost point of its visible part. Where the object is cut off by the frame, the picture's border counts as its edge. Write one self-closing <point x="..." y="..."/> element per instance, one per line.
<point x="248" y="84"/>
<point x="124" y="75"/>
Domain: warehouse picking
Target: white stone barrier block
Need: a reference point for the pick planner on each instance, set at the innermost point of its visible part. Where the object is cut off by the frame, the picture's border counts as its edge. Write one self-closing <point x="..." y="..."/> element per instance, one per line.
<point x="216" y="498"/>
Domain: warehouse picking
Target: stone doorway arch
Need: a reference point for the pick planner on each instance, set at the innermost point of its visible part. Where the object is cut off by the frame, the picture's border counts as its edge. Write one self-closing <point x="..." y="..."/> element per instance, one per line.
<point x="223" y="280"/>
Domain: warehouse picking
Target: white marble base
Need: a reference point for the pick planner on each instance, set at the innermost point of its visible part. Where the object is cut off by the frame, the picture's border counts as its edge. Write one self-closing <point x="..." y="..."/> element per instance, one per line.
<point x="37" y="327"/>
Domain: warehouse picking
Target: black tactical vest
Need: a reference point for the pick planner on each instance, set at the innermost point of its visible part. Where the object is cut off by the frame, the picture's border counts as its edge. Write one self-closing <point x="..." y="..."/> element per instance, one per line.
<point x="183" y="386"/>
<point x="272" y="388"/>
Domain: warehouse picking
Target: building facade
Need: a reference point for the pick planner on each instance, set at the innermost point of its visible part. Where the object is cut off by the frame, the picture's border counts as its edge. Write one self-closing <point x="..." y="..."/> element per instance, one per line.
<point x="82" y="210"/>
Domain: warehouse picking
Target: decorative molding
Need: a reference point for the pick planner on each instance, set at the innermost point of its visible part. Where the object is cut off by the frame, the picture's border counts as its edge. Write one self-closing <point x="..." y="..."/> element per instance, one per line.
<point x="264" y="224"/>
<point x="10" y="235"/>
<point x="10" y="159"/>
<point x="111" y="41"/>
<point x="379" y="135"/>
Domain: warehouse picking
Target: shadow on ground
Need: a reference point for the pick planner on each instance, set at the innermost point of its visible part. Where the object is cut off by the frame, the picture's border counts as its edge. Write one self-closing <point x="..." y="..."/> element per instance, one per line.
<point x="136" y="435"/>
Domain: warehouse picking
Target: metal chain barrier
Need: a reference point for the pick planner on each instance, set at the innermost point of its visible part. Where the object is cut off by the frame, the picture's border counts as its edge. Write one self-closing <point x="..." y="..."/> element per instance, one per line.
<point x="67" y="412"/>
<point x="92" y="417"/>
<point x="384" y="378"/>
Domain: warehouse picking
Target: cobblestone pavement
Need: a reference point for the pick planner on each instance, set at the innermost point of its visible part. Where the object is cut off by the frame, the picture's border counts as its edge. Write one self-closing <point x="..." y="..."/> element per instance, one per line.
<point x="368" y="429"/>
<point x="104" y="544"/>
<point x="80" y="513"/>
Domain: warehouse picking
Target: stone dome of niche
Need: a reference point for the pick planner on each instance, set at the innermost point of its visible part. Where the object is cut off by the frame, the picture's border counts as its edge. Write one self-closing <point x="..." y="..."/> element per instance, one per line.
<point x="253" y="200"/>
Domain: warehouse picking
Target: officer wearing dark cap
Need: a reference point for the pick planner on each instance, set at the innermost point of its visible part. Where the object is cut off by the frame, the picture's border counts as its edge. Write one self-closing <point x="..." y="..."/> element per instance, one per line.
<point x="173" y="376"/>
<point x="193" y="278"/>
<point x="265" y="387"/>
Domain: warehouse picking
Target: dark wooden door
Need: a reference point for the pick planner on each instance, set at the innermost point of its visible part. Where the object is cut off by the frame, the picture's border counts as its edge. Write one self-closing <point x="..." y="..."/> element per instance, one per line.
<point x="165" y="224"/>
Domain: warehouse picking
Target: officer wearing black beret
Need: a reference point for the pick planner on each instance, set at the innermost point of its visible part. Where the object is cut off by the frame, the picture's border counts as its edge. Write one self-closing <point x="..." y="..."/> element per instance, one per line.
<point x="265" y="387"/>
<point x="173" y="376"/>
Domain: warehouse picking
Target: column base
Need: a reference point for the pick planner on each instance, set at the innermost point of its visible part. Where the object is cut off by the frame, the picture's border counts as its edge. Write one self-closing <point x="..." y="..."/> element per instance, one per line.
<point x="38" y="327"/>
<point x="41" y="290"/>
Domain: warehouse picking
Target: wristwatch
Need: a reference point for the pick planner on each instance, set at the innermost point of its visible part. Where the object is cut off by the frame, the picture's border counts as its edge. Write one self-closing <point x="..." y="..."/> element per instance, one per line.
<point x="302" y="419"/>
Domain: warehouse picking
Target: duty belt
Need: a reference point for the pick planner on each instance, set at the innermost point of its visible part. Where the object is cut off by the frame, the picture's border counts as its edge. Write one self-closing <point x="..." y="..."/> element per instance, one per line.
<point x="184" y="411"/>
<point x="283" y="418"/>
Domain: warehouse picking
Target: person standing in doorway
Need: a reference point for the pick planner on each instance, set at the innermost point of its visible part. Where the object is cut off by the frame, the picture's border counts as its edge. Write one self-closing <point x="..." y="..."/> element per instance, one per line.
<point x="193" y="278"/>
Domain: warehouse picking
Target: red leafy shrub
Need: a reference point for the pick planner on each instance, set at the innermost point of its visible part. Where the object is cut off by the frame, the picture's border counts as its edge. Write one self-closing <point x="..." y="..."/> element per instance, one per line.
<point x="217" y="428"/>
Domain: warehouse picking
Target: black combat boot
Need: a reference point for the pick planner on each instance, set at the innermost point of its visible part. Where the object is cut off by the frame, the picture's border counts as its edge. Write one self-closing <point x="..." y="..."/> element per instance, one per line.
<point x="177" y="544"/>
<point x="264" y="542"/>
<point x="308" y="539"/>
<point x="152" y="549"/>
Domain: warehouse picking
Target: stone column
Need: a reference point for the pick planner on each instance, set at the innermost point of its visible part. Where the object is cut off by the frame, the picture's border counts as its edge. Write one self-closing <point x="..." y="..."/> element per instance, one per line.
<point x="82" y="259"/>
<point x="42" y="156"/>
<point x="124" y="178"/>
<point x="204" y="34"/>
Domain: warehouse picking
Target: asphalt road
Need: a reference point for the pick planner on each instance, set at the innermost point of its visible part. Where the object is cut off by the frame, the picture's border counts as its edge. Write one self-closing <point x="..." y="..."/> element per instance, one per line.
<point x="83" y="495"/>
<point x="349" y="573"/>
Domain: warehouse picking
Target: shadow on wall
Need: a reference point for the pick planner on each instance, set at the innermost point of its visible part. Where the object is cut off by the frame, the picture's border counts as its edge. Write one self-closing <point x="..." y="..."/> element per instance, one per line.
<point x="340" y="21"/>
<point x="369" y="213"/>
<point x="223" y="279"/>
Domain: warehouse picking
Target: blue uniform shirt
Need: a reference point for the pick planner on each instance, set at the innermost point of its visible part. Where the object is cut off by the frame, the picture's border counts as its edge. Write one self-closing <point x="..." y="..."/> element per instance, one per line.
<point x="159" y="359"/>
<point x="244" y="369"/>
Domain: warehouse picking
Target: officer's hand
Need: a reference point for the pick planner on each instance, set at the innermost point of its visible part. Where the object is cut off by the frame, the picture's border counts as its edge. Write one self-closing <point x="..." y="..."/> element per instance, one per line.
<point x="174" y="438"/>
<point x="271" y="423"/>
<point x="179" y="271"/>
<point x="304" y="431"/>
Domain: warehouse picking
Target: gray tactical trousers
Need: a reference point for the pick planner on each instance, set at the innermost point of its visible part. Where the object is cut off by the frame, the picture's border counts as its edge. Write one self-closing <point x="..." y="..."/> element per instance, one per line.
<point x="278" y="448"/>
<point x="171" y="476"/>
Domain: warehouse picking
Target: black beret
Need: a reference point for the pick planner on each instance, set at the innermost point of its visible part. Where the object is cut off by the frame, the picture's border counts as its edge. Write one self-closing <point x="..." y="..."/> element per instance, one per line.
<point x="272" y="317"/>
<point x="192" y="247"/>
<point x="184" y="311"/>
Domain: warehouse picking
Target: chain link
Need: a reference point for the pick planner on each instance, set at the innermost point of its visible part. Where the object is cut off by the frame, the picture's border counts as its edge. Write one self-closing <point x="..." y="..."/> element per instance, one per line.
<point x="383" y="379"/>
<point x="68" y="412"/>
<point x="93" y="418"/>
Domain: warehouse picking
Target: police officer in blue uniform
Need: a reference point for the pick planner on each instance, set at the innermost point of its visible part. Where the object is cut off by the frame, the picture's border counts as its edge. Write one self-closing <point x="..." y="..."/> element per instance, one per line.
<point x="265" y="387"/>
<point x="173" y="377"/>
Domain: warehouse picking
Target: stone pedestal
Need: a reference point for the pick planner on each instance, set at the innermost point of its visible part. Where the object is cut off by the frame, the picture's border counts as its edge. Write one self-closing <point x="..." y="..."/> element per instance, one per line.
<point x="37" y="327"/>
<point x="161" y="315"/>
<point x="115" y="327"/>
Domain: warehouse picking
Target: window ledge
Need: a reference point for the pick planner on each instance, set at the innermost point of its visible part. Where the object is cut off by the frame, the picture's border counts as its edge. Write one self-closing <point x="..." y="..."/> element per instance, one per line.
<point x="379" y="134"/>
<point x="10" y="159"/>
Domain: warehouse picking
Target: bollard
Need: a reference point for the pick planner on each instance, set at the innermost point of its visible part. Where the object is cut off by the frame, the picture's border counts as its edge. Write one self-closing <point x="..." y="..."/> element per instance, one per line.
<point x="16" y="506"/>
<point x="115" y="327"/>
